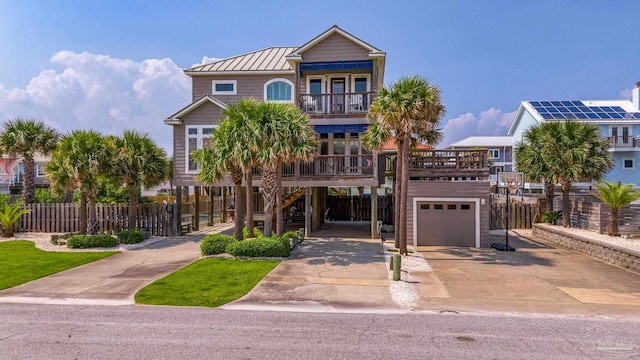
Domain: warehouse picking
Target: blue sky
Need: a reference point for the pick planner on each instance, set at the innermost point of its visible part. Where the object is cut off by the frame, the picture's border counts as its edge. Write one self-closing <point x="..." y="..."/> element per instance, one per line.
<point x="111" y="65"/>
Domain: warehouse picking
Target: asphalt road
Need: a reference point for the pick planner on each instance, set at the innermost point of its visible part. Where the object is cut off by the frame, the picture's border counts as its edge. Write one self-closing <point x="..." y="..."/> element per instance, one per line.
<point x="144" y="332"/>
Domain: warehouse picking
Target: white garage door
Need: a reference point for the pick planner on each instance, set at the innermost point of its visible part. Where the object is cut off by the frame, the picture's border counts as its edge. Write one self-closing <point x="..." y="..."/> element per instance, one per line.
<point x="448" y="223"/>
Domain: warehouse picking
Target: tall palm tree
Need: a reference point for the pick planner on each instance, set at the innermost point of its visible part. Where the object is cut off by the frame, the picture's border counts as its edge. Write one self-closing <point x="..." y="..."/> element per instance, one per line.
<point x="616" y="195"/>
<point x="407" y="110"/>
<point x="79" y="161"/>
<point x="25" y="138"/>
<point x="530" y="160"/>
<point x="138" y="161"/>
<point x="573" y="150"/>
<point x="282" y="134"/>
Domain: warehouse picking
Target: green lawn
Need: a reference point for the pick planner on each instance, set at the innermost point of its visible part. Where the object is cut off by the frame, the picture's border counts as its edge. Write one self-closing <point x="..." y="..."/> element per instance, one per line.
<point x="21" y="262"/>
<point x="208" y="282"/>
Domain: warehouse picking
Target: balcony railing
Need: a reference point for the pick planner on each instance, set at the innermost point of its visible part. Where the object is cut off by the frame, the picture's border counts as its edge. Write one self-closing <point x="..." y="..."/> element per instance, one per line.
<point x="336" y="104"/>
<point x="433" y="163"/>
<point x="323" y="166"/>
<point x="616" y="142"/>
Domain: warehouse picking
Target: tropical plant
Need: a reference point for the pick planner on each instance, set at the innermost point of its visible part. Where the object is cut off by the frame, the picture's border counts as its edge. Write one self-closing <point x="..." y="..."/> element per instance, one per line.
<point x="282" y="134"/>
<point x="138" y="161"/>
<point x="616" y="195"/>
<point x="530" y="160"/>
<point x="26" y="138"/>
<point x="81" y="159"/>
<point x="552" y="217"/>
<point x="9" y="215"/>
<point x="572" y="150"/>
<point x="406" y="111"/>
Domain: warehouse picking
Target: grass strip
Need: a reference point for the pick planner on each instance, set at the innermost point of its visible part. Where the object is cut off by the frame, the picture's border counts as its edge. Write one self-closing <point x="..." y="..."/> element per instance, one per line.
<point x="208" y="282"/>
<point x="21" y="262"/>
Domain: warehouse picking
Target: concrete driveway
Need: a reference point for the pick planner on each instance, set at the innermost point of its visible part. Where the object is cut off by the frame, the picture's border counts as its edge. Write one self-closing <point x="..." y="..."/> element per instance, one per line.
<point x="339" y="269"/>
<point x="537" y="278"/>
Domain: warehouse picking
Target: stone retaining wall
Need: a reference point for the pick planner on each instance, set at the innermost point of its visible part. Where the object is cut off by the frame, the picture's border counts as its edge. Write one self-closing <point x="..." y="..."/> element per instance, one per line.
<point x="616" y="255"/>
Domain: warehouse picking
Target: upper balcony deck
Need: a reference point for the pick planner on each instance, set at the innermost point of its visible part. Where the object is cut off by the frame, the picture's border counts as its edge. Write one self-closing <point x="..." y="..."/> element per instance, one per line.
<point x="336" y="105"/>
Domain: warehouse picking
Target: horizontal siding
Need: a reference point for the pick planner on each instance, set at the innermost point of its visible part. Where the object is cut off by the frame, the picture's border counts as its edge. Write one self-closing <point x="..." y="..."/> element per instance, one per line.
<point x="208" y="113"/>
<point x="335" y="48"/>
<point x="248" y="86"/>
<point x="448" y="189"/>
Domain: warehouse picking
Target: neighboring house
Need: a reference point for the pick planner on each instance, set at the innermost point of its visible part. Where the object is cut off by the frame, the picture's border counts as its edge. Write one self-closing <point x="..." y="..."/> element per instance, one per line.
<point x="618" y="120"/>
<point x="499" y="151"/>
<point x="334" y="78"/>
<point x="12" y="172"/>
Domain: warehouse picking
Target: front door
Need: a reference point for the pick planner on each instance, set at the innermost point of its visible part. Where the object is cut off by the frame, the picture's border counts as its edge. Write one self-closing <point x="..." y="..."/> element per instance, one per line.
<point x="337" y="95"/>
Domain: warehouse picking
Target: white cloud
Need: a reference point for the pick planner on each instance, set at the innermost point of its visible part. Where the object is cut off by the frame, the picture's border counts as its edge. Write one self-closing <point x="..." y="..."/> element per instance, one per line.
<point x="89" y="91"/>
<point x="206" y="60"/>
<point x="626" y="94"/>
<point x="490" y="122"/>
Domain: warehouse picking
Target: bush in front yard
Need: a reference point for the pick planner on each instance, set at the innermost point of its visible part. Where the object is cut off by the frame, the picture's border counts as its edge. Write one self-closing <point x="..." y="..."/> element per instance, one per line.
<point x="256" y="232"/>
<point x="130" y="236"/>
<point x="215" y="244"/>
<point x="91" y="241"/>
<point x="261" y="247"/>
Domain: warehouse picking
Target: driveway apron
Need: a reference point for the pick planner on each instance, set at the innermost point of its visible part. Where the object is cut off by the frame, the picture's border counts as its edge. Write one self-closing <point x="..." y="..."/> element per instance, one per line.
<point x="338" y="270"/>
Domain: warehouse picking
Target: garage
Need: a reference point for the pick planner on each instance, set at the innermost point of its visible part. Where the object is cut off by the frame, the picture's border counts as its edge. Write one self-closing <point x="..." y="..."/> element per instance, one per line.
<point x="447" y="223"/>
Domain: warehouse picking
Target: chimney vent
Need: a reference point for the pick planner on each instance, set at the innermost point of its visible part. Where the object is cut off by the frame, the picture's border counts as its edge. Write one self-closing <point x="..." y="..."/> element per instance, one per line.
<point x="635" y="97"/>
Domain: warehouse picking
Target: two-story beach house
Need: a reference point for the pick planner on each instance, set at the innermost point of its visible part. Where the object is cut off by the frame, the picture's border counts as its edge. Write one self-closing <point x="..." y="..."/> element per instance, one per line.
<point x="334" y="78"/>
<point x="618" y="120"/>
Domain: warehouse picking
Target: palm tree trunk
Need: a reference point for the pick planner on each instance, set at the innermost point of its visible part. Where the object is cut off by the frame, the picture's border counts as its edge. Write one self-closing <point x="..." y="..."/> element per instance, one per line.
<point x="133" y="206"/>
<point x="397" y="190"/>
<point x="279" y="223"/>
<point x="83" y="213"/>
<point x="269" y="189"/>
<point x="238" y="217"/>
<point x="249" y="177"/>
<point x="613" y="222"/>
<point x="549" y="191"/>
<point x="92" y="223"/>
<point x="28" y="181"/>
<point x="566" y="204"/>
<point x="403" y="196"/>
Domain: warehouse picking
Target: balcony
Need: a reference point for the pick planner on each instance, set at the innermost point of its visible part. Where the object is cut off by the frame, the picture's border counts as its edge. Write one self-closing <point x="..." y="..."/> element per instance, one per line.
<point x="325" y="167"/>
<point x="623" y="142"/>
<point x="344" y="104"/>
<point x="432" y="164"/>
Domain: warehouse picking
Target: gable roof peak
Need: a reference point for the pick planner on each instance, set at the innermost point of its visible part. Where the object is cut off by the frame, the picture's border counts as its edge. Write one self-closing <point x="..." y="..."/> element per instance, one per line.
<point x="335" y="29"/>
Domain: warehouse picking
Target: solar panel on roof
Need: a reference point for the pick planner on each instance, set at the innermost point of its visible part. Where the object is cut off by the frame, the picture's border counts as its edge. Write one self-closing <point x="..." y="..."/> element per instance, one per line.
<point x="578" y="110"/>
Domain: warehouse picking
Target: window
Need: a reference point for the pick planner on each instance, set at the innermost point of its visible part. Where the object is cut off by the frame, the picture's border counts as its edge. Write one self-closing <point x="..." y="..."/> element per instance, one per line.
<point x="224" y="87"/>
<point x="494" y="153"/>
<point x="438" y="206"/>
<point x="424" y="206"/>
<point x="465" y="207"/>
<point x="40" y="170"/>
<point x="278" y="90"/>
<point x="198" y="137"/>
<point x="451" y="207"/>
<point x="628" y="164"/>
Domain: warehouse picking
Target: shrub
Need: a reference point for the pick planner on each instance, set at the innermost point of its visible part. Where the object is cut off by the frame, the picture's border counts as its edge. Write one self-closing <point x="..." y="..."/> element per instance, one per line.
<point x="552" y="217"/>
<point x="257" y="232"/>
<point x="91" y="241"/>
<point x="290" y="235"/>
<point x="261" y="247"/>
<point x="132" y="236"/>
<point x="215" y="244"/>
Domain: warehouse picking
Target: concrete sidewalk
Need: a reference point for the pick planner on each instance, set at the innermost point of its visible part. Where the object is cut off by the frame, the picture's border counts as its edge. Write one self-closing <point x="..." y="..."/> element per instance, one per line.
<point x="113" y="280"/>
<point x="537" y="278"/>
<point x="327" y="273"/>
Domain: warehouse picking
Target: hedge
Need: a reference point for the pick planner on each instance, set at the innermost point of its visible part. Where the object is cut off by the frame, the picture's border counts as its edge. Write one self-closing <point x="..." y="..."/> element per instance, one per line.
<point x="132" y="236"/>
<point x="261" y="247"/>
<point x="215" y="244"/>
<point x="91" y="241"/>
<point x="256" y="232"/>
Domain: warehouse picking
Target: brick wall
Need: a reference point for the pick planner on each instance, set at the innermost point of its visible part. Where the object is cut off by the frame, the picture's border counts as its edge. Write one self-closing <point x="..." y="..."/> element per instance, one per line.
<point x="612" y="254"/>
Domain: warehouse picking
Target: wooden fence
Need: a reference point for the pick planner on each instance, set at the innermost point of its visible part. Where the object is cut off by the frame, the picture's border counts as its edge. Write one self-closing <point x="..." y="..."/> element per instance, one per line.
<point x="359" y="208"/>
<point x="520" y="215"/>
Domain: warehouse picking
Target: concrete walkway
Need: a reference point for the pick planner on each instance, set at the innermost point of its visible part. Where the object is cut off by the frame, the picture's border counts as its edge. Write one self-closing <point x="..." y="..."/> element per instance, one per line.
<point x="336" y="270"/>
<point x="113" y="280"/>
<point x="536" y="278"/>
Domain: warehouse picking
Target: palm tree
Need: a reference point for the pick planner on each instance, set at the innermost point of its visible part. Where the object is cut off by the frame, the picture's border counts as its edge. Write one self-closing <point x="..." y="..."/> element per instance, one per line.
<point x="530" y="160"/>
<point x="616" y="195"/>
<point x="81" y="158"/>
<point x="138" y="161"/>
<point x="282" y="134"/>
<point x="25" y="138"/>
<point x="573" y="150"/>
<point x="407" y="110"/>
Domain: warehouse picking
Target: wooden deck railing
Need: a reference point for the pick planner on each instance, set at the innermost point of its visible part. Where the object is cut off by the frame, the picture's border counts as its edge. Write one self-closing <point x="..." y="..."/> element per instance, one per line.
<point x="336" y="104"/>
<point x="328" y="165"/>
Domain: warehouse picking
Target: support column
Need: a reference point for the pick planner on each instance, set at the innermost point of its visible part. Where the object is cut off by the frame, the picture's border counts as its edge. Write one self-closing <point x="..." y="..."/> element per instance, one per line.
<point x="307" y="212"/>
<point x="223" y="205"/>
<point x="212" y="194"/>
<point x="178" y="210"/>
<point x="374" y="212"/>
<point x="196" y="211"/>
<point x="315" y="205"/>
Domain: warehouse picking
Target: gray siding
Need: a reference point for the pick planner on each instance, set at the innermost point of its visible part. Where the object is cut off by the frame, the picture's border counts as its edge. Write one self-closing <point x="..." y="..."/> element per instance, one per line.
<point x="448" y="189"/>
<point x="335" y="48"/>
<point x="206" y="114"/>
<point x="248" y="86"/>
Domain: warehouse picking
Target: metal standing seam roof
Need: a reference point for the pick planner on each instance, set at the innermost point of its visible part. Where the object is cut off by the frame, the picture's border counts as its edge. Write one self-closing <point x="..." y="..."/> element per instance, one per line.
<point x="269" y="59"/>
